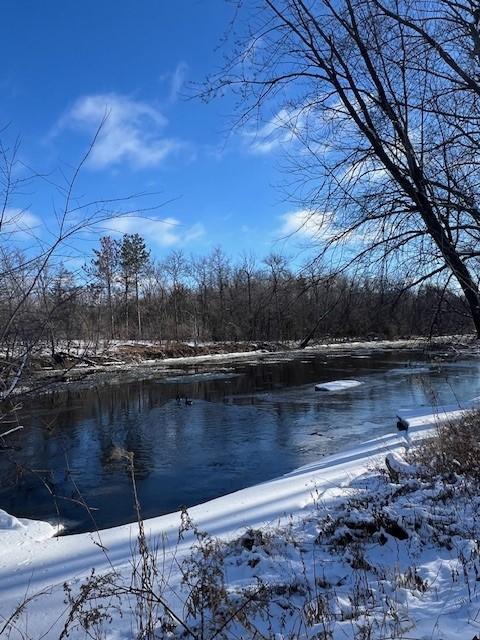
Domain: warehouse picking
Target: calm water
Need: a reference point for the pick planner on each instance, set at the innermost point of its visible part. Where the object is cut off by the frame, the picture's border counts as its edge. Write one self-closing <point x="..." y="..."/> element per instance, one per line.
<point x="248" y="423"/>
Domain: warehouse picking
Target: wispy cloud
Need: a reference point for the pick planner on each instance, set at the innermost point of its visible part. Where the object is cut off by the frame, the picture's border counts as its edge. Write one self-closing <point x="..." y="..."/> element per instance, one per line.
<point x="306" y="224"/>
<point x="177" y="80"/>
<point x="165" y="232"/>
<point x="315" y="227"/>
<point x="132" y="131"/>
<point x="281" y="130"/>
<point x="20" y="224"/>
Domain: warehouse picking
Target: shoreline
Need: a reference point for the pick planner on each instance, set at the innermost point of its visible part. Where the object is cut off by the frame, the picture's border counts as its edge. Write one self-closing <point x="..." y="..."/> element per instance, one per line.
<point x="81" y="375"/>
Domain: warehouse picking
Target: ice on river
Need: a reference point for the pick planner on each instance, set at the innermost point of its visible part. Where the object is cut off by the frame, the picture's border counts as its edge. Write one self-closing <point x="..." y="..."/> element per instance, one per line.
<point x="338" y="385"/>
<point x="409" y="371"/>
<point x="199" y="377"/>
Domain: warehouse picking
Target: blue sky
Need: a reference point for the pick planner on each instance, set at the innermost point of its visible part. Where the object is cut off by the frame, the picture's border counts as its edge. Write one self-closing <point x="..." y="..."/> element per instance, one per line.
<point x="65" y="63"/>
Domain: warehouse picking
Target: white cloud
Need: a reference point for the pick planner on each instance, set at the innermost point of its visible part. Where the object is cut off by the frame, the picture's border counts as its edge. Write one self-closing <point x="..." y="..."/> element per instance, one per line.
<point x="20" y="223"/>
<point x="365" y="171"/>
<point x="131" y="131"/>
<point x="165" y="232"/>
<point x="308" y="224"/>
<point x="281" y="130"/>
<point x="317" y="227"/>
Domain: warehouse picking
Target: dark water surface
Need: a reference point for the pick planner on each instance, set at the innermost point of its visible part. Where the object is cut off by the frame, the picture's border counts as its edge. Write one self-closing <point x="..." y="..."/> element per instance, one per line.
<point x="248" y="422"/>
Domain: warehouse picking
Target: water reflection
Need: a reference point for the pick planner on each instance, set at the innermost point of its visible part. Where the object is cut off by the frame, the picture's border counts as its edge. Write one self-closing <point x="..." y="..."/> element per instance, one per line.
<point x="244" y="426"/>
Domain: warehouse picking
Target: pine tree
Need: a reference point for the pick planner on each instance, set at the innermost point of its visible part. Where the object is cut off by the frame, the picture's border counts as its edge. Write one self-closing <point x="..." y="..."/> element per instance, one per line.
<point x="134" y="258"/>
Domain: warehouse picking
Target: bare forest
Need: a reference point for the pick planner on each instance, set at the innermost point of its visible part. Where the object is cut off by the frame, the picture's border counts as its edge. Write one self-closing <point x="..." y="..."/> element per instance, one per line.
<point x="121" y="293"/>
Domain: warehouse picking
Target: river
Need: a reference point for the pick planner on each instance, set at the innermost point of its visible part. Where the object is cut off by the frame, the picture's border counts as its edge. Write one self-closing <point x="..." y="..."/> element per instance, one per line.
<point x="244" y="423"/>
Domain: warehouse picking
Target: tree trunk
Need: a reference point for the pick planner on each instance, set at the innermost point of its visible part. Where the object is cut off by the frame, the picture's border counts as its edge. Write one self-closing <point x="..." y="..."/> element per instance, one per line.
<point x="139" y="320"/>
<point x="126" y="308"/>
<point x="451" y="257"/>
<point x="110" y="307"/>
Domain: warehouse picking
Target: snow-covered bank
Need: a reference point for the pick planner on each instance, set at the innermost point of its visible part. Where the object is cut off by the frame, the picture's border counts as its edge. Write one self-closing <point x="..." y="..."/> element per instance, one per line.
<point x="19" y="532"/>
<point x="290" y="504"/>
<point x="418" y="418"/>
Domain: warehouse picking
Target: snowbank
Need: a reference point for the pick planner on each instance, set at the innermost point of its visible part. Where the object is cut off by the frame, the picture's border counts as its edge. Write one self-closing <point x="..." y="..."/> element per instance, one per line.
<point x="429" y="415"/>
<point x="15" y="532"/>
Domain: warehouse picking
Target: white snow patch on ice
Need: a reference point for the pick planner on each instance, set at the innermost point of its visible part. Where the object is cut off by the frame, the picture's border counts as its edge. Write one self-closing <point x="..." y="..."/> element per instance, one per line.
<point x="337" y="385"/>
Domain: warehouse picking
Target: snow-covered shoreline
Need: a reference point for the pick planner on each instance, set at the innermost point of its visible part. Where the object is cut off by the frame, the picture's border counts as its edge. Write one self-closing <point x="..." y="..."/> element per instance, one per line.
<point x="31" y="564"/>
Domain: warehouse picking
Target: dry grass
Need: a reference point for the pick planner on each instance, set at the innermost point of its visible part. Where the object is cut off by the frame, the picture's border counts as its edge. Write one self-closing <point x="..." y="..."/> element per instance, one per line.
<point x="454" y="449"/>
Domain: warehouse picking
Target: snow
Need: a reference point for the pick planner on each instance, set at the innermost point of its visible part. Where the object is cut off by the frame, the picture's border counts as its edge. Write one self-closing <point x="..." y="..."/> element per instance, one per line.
<point x="321" y="506"/>
<point x="397" y="464"/>
<point x="439" y="414"/>
<point x="15" y="532"/>
<point x="337" y="385"/>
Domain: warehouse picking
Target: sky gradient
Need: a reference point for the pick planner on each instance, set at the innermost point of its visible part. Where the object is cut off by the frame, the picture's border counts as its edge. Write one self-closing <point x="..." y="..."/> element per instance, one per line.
<point x="68" y="63"/>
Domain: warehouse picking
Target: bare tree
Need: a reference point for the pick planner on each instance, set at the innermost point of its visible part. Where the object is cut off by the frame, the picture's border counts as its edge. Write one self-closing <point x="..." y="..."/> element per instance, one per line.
<point x="376" y="104"/>
<point x="175" y="266"/>
<point x="277" y="265"/>
<point x="26" y="276"/>
<point x="220" y="272"/>
<point x="199" y="269"/>
<point x="248" y="268"/>
<point x="104" y="270"/>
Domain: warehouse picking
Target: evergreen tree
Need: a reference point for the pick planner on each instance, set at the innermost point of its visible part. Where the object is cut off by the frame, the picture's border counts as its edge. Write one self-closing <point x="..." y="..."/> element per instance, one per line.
<point x="134" y="258"/>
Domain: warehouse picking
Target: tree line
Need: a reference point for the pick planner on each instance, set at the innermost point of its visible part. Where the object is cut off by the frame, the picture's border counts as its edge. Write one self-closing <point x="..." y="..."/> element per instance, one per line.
<point x="123" y="293"/>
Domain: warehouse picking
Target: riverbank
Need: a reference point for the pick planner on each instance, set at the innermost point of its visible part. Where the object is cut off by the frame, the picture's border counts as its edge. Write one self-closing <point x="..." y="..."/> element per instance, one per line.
<point x="83" y="366"/>
<point x="338" y="545"/>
